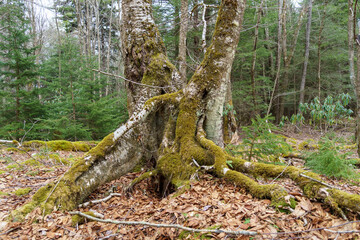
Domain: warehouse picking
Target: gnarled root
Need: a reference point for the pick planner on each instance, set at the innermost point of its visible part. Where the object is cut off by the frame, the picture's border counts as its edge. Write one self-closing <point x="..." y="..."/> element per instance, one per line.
<point x="336" y="198"/>
<point x="142" y="177"/>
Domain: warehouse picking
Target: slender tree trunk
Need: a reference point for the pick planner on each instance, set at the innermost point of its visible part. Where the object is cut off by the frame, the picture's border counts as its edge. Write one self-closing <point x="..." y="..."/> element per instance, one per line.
<point x="288" y="58"/>
<point x="108" y="50"/>
<point x="351" y="44"/>
<point x="278" y="55"/>
<point x="267" y="43"/>
<point x="322" y="24"/>
<point x="196" y="40"/>
<point x="253" y="65"/>
<point x="59" y="43"/>
<point x="357" y="89"/>
<point x="307" y="51"/>
<point x="203" y="35"/>
<point x="182" y="39"/>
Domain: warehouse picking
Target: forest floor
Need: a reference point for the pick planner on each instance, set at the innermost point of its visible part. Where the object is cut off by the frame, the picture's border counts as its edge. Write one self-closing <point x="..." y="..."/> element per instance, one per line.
<point x="209" y="203"/>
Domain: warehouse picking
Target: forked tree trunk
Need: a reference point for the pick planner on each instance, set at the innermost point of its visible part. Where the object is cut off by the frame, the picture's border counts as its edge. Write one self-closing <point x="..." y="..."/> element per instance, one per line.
<point x="175" y="127"/>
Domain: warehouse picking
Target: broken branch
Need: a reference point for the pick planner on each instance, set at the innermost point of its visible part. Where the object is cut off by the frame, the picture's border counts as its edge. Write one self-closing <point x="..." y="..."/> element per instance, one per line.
<point x="160" y="225"/>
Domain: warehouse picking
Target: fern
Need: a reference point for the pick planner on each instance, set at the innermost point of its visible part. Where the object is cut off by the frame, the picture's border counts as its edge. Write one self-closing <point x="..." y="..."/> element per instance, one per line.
<point x="330" y="162"/>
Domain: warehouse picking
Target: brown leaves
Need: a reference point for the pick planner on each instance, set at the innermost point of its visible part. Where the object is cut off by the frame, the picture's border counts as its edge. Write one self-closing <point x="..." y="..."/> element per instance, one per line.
<point x="209" y="203"/>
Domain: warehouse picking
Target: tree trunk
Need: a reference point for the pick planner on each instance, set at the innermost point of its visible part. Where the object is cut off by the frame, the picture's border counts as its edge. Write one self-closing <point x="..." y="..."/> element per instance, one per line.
<point x="351" y="44"/>
<point x="182" y="40"/>
<point x="253" y="65"/>
<point x="307" y="50"/>
<point x="278" y="57"/>
<point x="288" y="58"/>
<point x="322" y="23"/>
<point x="108" y="50"/>
<point x="178" y="127"/>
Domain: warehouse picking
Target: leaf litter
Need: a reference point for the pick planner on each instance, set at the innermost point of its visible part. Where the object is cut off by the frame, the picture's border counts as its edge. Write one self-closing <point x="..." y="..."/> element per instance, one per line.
<point x="210" y="203"/>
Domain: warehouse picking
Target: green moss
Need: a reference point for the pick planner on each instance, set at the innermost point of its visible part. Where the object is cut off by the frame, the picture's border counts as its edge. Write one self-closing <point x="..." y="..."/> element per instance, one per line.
<point x="174" y="169"/>
<point x="345" y="200"/>
<point x="309" y="144"/>
<point x="271" y="191"/>
<point x="139" y="166"/>
<point x="104" y="146"/>
<point x="12" y="149"/>
<point x="58" y="159"/>
<point x="78" y="220"/>
<point x="19" y="214"/>
<point x="22" y="191"/>
<point x="33" y="173"/>
<point x="159" y="71"/>
<point x="4" y="193"/>
<point x="60" y="145"/>
<point x="31" y="162"/>
<point x="81" y="146"/>
<point x="2" y="172"/>
<point x="34" y="144"/>
<point x="13" y="166"/>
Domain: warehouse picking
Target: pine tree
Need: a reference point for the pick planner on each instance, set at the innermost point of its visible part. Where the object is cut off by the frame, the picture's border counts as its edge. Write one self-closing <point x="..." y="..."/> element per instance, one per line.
<point x="20" y="105"/>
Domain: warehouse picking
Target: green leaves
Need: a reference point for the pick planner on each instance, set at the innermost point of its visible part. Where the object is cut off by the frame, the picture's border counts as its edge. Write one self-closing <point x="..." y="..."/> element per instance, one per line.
<point x="260" y="141"/>
<point x="329" y="161"/>
<point x="327" y="114"/>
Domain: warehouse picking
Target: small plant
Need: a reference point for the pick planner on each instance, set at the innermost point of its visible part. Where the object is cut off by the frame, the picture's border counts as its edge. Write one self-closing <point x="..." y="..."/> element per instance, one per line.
<point x="330" y="162"/>
<point x="261" y="142"/>
<point x="331" y="112"/>
<point x="228" y="109"/>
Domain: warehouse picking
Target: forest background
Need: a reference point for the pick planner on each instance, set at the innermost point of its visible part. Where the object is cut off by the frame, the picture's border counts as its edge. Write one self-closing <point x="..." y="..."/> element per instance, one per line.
<point x="52" y="73"/>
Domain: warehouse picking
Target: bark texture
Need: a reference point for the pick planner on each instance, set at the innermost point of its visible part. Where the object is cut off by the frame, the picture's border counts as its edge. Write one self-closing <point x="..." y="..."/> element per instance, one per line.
<point x="307" y="51"/>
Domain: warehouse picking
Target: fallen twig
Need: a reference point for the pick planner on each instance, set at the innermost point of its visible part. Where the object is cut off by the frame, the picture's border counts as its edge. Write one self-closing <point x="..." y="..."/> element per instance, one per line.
<point x="159" y="225"/>
<point x="100" y="200"/>
<point x="43" y="213"/>
<point x="315" y="180"/>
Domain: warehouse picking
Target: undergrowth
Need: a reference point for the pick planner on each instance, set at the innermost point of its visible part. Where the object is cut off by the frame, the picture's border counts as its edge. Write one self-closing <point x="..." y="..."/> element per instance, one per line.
<point x="328" y="160"/>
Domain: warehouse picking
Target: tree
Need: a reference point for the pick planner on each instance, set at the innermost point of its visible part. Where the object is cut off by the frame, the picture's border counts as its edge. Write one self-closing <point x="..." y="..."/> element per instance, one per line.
<point x="307" y="50"/>
<point x="18" y="70"/>
<point x="175" y="127"/>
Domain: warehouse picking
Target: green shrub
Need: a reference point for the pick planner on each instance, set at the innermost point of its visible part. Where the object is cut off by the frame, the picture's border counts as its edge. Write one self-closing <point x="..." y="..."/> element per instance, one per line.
<point x="330" y="162"/>
<point x="260" y="141"/>
<point x="325" y="114"/>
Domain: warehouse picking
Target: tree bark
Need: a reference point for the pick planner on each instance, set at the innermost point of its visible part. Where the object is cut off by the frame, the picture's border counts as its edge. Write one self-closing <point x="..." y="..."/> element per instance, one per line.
<point x="322" y="24"/>
<point x="307" y="50"/>
<point x="351" y="44"/>
<point x="178" y="127"/>
<point x="278" y="56"/>
<point x="182" y="40"/>
<point x="253" y="65"/>
<point x="288" y="58"/>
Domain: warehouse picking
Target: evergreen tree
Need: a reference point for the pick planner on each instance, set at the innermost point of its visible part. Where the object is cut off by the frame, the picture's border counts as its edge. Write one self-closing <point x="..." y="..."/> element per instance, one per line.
<point x="20" y="104"/>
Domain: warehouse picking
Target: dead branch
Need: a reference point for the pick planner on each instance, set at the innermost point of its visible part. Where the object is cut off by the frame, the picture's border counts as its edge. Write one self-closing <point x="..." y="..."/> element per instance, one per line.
<point x="100" y="200"/>
<point x="313" y="179"/>
<point x="160" y="225"/>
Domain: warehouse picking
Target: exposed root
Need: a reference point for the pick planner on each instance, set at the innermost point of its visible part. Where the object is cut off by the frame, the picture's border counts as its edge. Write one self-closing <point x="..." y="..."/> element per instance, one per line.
<point x="100" y="200"/>
<point x="310" y="183"/>
<point x="142" y="177"/>
<point x="277" y="194"/>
